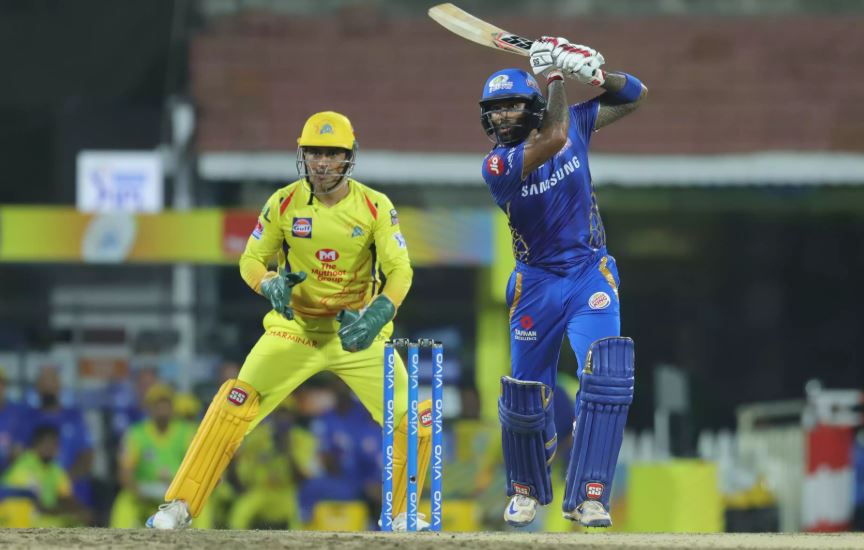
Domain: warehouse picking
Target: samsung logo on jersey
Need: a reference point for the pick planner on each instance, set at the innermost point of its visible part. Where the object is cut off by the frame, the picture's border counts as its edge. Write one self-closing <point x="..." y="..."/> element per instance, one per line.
<point x="537" y="188"/>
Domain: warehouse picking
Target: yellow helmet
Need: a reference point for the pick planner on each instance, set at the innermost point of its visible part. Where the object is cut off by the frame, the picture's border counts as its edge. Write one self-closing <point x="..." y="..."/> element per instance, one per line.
<point x="327" y="129"/>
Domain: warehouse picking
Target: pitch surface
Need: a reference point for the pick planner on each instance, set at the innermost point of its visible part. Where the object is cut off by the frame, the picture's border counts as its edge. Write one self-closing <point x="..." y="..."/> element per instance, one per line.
<point x="94" y="539"/>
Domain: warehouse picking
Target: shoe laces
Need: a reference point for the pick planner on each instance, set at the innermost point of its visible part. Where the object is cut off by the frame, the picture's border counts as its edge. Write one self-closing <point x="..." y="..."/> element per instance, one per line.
<point x="594" y="506"/>
<point x="170" y="506"/>
<point x="522" y="500"/>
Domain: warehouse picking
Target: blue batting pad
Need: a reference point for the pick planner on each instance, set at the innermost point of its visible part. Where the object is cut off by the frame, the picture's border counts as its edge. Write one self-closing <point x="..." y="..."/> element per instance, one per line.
<point x="605" y="395"/>
<point x="528" y="437"/>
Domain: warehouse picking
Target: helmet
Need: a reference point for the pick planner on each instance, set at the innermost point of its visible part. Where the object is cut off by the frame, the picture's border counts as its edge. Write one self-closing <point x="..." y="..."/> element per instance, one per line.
<point x="327" y="129"/>
<point x="510" y="84"/>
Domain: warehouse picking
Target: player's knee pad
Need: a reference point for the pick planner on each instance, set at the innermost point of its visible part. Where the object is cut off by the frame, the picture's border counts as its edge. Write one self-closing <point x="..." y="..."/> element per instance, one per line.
<point x="527" y="437"/>
<point x="400" y="455"/>
<point x="605" y="395"/>
<point x="218" y="437"/>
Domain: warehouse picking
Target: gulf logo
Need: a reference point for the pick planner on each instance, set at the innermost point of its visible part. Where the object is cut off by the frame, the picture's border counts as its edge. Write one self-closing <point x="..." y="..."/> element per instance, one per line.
<point x="327" y="255"/>
<point x="302" y="227"/>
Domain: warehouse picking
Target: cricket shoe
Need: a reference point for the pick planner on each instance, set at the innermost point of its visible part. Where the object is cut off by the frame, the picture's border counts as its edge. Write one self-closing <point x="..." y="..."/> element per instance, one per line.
<point x="400" y="522"/>
<point x="521" y="511"/>
<point x="171" y="515"/>
<point x="590" y="513"/>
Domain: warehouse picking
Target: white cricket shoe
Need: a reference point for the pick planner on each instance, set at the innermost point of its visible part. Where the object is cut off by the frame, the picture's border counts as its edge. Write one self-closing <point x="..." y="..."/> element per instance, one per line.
<point x="590" y="513"/>
<point x="400" y="522"/>
<point x="520" y="511"/>
<point x="171" y="515"/>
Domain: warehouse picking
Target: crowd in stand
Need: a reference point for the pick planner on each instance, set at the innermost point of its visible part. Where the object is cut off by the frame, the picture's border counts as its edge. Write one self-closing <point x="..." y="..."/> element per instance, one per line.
<point x="289" y="464"/>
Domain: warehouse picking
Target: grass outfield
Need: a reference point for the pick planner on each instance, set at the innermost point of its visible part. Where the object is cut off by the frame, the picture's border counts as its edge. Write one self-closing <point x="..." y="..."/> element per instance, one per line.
<point x="154" y="540"/>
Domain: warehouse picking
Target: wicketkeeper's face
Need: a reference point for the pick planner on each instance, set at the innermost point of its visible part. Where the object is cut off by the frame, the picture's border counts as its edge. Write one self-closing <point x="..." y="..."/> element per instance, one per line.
<point x="325" y="165"/>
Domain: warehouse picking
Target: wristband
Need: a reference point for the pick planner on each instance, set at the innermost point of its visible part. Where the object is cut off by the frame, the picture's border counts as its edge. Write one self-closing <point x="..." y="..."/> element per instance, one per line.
<point x="629" y="93"/>
<point x="554" y="75"/>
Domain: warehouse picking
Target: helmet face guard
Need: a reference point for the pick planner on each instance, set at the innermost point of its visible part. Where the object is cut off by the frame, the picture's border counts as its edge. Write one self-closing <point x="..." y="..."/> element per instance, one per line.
<point x="511" y="85"/>
<point x="512" y="130"/>
<point x="332" y="130"/>
<point x="346" y="168"/>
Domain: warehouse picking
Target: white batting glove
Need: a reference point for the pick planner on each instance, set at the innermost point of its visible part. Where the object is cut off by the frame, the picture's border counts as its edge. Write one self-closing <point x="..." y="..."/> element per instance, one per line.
<point x="580" y="63"/>
<point x="541" y="54"/>
<point x="590" y="73"/>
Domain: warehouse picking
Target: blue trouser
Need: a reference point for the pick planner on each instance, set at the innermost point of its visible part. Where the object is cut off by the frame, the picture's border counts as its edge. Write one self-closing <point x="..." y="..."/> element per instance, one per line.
<point x="584" y="301"/>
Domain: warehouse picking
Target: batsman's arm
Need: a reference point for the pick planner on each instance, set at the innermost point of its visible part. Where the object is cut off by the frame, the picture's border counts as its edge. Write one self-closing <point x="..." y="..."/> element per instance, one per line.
<point x="552" y="135"/>
<point x="262" y="245"/>
<point x="624" y="94"/>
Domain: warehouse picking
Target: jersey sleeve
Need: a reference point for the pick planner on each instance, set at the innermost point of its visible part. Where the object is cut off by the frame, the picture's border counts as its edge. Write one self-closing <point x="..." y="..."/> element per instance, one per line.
<point x="263" y="244"/>
<point x="392" y="252"/>
<point x="502" y="172"/>
<point x="583" y="116"/>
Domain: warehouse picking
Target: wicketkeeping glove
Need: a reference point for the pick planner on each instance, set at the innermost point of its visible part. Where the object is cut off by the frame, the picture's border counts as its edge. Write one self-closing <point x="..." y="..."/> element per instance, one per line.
<point x="542" y="53"/>
<point x="278" y="290"/>
<point x="358" y="329"/>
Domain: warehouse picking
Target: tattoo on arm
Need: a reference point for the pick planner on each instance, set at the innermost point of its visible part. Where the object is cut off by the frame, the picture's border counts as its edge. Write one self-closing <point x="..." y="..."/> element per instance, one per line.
<point x="614" y="82"/>
<point x="607" y="114"/>
<point x="610" y="112"/>
<point x="556" y="121"/>
<point x="556" y="109"/>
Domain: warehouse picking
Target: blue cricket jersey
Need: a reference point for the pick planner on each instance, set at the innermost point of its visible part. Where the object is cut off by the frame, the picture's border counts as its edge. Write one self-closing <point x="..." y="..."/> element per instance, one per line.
<point x="553" y="213"/>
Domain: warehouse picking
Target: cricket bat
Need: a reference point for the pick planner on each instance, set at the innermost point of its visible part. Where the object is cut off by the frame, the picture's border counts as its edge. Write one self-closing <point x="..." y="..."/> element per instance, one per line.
<point x="460" y="22"/>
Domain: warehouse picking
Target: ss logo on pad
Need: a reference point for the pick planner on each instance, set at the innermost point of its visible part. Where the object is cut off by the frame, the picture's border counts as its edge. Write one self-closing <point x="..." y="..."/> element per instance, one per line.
<point x="594" y="490"/>
<point x="237" y="396"/>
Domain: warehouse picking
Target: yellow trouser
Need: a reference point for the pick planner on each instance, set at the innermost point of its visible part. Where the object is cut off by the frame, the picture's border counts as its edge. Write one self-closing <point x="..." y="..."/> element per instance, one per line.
<point x="285" y="357"/>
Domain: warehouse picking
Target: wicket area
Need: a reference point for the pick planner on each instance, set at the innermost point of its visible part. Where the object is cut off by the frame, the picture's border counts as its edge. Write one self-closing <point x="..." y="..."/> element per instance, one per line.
<point x="389" y="426"/>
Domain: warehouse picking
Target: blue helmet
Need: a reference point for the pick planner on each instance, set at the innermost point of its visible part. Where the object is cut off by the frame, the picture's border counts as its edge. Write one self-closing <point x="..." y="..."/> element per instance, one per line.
<point x="511" y="84"/>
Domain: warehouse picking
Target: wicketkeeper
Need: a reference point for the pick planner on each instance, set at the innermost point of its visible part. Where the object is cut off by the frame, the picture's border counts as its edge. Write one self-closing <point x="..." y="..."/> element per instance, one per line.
<point x="332" y="238"/>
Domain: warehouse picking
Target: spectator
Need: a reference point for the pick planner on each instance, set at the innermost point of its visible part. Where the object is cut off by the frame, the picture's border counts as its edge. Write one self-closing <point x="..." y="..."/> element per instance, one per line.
<point x="152" y="451"/>
<point x="38" y="470"/>
<point x="127" y="400"/>
<point x="187" y="407"/>
<point x="269" y="468"/>
<point x="76" y="445"/>
<point x="11" y="417"/>
<point x="349" y="445"/>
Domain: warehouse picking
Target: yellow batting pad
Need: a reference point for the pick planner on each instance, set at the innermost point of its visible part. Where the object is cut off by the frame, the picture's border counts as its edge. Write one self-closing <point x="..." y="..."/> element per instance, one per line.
<point x="400" y="456"/>
<point x="214" y="444"/>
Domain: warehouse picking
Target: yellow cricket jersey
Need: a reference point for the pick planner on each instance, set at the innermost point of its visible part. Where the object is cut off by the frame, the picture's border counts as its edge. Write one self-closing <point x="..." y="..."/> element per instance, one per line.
<point x="343" y="249"/>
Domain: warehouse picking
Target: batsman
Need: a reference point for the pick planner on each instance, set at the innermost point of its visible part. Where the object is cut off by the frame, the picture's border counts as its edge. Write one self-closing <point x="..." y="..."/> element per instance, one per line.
<point x="332" y="239"/>
<point x="564" y="281"/>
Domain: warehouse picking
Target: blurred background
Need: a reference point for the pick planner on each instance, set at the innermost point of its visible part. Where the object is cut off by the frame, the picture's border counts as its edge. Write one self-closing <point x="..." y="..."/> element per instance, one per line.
<point x="139" y="140"/>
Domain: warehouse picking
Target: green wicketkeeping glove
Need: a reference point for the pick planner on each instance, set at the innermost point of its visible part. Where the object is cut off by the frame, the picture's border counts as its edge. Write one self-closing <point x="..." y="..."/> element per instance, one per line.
<point x="358" y="330"/>
<point x="278" y="291"/>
